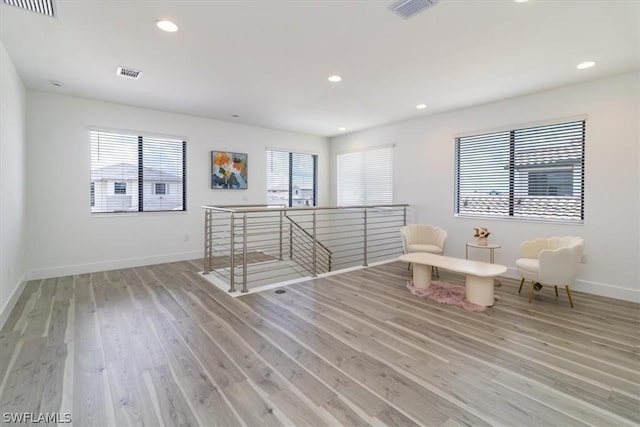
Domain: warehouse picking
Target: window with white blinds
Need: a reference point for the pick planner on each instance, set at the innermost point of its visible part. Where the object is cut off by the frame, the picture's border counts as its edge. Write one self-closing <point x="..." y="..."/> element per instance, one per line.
<point x="134" y="173"/>
<point x="365" y="177"/>
<point x="291" y="178"/>
<point x="533" y="173"/>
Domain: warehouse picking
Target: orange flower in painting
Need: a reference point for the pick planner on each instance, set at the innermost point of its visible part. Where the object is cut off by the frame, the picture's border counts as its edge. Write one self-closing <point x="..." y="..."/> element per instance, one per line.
<point x="222" y="159"/>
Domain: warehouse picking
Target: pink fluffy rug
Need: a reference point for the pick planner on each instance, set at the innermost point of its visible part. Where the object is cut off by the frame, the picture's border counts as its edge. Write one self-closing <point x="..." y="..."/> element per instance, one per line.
<point x="445" y="293"/>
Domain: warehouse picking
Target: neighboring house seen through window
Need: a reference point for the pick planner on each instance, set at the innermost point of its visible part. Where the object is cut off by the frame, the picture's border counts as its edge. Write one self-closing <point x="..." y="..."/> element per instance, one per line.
<point x="365" y="177"/>
<point x="136" y="173"/>
<point x="291" y="178"/>
<point x="532" y="173"/>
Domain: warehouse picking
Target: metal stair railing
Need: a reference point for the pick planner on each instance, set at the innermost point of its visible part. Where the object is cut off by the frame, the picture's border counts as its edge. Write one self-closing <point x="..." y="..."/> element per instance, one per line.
<point x="301" y="242"/>
<point x="256" y="244"/>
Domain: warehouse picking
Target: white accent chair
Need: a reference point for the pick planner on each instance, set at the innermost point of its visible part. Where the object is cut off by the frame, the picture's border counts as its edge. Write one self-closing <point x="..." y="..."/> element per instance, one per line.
<point x="550" y="261"/>
<point x="423" y="238"/>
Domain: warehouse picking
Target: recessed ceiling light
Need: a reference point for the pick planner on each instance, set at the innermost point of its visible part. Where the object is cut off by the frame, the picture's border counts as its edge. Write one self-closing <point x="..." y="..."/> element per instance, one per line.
<point x="167" y="26"/>
<point x="342" y="129"/>
<point x="586" y="64"/>
<point x="235" y="116"/>
<point x="421" y="106"/>
<point x="520" y="1"/>
<point x="335" y="79"/>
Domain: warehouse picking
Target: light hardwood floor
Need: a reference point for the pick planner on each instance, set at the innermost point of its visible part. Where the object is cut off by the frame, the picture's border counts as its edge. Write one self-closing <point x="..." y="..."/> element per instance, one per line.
<point x="159" y="346"/>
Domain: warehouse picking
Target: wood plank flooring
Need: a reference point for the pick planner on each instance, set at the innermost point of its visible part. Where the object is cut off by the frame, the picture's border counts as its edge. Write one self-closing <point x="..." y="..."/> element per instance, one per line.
<point x="160" y="346"/>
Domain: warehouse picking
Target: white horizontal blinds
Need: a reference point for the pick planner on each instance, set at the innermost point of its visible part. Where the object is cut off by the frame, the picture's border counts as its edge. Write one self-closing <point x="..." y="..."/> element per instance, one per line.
<point x="351" y="179"/>
<point x="303" y="179"/>
<point x="129" y="173"/>
<point x="277" y="178"/>
<point x="535" y="173"/>
<point x="365" y="177"/>
<point x="162" y="174"/>
<point x="378" y="176"/>
<point x="482" y="179"/>
<point x="549" y="171"/>
<point x="291" y="178"/>
<point x="114" y="172"/>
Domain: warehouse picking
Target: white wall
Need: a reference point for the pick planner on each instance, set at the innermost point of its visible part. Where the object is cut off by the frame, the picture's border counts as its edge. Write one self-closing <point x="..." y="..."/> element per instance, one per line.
<point x="65" y="238"/>
<point x="635" y="115"/>
<point x="12" y="184"/>
<point x="424" y="176"/>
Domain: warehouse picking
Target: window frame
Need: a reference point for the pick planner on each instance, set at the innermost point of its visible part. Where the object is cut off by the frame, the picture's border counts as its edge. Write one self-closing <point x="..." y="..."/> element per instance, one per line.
<point x="521" y="135"/>
<point x="140" y="194"/>
<point x="291" y="183"/>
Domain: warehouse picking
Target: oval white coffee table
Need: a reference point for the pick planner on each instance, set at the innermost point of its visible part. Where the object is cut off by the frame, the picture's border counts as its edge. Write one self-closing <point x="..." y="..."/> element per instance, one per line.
<point x="479" y="275"/>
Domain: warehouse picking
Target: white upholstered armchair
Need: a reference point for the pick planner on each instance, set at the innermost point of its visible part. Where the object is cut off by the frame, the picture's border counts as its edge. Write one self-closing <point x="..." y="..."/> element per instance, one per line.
<point x="550" y="261"/>
<point x="423" y="238"/>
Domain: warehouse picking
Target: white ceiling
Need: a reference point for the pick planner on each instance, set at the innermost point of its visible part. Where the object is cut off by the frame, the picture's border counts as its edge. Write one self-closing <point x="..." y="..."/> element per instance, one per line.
<point x="268" y="61"/>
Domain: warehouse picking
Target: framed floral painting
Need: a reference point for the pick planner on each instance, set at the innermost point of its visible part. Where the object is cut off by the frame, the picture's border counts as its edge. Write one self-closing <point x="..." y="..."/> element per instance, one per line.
<point x="229" y="170"/>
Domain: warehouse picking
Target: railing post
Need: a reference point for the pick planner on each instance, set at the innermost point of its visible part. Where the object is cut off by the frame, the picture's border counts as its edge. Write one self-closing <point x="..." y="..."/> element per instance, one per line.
<point x="281" y="225"/>
<point x="232" y="283"/>
<point x="244" y="253"/>
<point x="366" y="260"/>
<point x="315" y="241"/>
<point x="207" y="241"/>
<point x="290" y="241"/>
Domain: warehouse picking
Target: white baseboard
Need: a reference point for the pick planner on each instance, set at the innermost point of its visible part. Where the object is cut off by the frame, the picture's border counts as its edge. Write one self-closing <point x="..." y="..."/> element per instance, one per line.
<point x="606" y="290"/>
<point x="12" y="300"/>
<point x="68" y="270"/>
<point x="594" y="288"/>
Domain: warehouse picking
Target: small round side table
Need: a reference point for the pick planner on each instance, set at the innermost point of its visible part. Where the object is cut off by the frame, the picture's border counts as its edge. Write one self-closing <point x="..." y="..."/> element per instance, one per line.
<point x="491" y="246"/>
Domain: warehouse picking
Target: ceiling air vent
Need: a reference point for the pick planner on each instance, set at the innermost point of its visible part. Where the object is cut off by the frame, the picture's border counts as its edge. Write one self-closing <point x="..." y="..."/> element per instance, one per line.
<point x="44" y="7"/>
<point x="408" y="8"/>
<point x="129" y="73"/>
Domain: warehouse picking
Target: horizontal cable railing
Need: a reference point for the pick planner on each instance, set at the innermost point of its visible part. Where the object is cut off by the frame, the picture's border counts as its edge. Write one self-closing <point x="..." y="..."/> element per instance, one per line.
<point x="307" y="247"/>
<point x="255" y="245"/>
